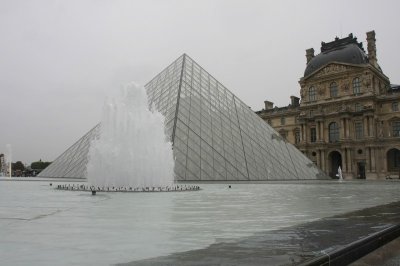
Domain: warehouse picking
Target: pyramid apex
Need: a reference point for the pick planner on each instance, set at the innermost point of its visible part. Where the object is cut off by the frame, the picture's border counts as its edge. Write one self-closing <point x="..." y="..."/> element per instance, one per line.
<point x="184" y="55"/>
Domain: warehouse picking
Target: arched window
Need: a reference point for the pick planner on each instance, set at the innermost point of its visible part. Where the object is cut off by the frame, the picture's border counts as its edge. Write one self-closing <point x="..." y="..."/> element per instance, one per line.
<point x="311" y="94"/>
<point x="333" y="132"/>
<point x="334" y="89"/>
<point x="356" y="86"/>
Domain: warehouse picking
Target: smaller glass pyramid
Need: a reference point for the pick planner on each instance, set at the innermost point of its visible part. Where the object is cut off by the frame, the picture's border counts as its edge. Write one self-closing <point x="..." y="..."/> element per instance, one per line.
<point x="215" y="135"/>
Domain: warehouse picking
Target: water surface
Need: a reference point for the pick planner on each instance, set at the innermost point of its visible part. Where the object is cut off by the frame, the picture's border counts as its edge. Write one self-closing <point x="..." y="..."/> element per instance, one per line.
<point x="43" y="226"/>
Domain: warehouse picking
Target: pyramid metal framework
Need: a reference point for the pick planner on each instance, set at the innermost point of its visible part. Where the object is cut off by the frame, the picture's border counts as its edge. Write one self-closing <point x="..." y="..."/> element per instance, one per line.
<point x="215" y="135"/>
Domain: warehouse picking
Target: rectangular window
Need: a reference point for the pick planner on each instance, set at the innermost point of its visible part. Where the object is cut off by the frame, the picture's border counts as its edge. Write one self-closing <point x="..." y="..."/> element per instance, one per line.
<point x="297" y="136"/>
<point x="357" y="107"/>
<point x="312" y="94"/>
<point x="334" y="89"/>
<point x="282" y="120"/>
<point x="359" y="130"/>
<point x="333" y="132"/>
<point x="396" y="128"/>
<point x="356" y="85"/>
<point x="283" y="134"/>
<point x="313" y="134"/>
<point x="395" y="106"/>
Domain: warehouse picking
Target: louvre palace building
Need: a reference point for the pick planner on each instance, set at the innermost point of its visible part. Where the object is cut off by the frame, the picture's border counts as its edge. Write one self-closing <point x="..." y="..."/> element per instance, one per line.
<point x="347" y="114"/>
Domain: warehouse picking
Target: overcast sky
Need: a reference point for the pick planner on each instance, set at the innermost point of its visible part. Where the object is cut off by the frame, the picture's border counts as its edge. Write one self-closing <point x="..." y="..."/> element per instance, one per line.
<point x="60" y="59"/>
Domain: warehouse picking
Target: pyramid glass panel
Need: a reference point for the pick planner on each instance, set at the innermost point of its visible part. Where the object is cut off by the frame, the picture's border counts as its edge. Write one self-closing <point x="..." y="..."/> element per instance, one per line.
<point x="215" y="135"/>
<point x="72" y="163"/>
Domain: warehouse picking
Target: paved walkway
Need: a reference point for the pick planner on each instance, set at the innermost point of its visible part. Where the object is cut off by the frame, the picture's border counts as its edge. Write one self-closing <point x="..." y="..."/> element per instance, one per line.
<point x="387" y="255"/>
<point x="336" y="240"/>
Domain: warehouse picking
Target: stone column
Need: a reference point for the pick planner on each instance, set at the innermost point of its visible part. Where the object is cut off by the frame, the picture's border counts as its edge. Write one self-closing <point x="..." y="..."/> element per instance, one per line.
<point x="368" y="160"/>
<point x="301" y="133"/>
<point x="321" y="124"/>
<point x="378" y="161"/>
<point x="373" y="163"/>
<point x="384" y="161"/>
<point x="323" y="167"/>
<point x="344" y="160"/>
<point x="305" y="133"/>
<point x="371" y="126"/>
<point x="350" y="168"/>
<point x="348" y="127"/>
<point x="365" y="126"/>
<point x="343" y="122"/>
<point x="317" y="130"/>
<point x="341" y="131"/>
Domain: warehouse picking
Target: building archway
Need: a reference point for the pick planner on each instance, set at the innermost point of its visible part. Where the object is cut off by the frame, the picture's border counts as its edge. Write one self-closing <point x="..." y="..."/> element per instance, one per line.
<point x="393" y="160"/>
<point x="361" y="170"/>
<point x="335" y="160"/>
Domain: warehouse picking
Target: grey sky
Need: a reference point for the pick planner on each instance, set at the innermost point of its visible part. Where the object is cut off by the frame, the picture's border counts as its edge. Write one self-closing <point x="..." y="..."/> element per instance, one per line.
<point x="60" y="59"/>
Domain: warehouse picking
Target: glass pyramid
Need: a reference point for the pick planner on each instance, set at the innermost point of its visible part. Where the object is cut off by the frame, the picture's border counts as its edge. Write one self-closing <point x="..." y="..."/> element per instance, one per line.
<point x="215" y="135"/>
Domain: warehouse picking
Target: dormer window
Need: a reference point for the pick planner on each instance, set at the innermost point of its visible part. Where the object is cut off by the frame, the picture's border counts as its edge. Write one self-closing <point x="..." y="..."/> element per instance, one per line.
<point x="333" y="89"/>
<point x="356" y="85"/>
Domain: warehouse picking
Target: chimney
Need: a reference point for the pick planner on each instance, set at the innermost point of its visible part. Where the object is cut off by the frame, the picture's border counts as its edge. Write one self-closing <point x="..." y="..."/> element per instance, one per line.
<point x="268" y="105"/>
<point x="309" y="54"/>
<point x="295" y="101"/>
<point x="372" y="48"/>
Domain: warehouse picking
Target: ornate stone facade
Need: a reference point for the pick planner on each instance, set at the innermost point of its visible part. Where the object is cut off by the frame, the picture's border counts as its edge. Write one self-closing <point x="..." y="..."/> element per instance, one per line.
<point x="348" y="115"/>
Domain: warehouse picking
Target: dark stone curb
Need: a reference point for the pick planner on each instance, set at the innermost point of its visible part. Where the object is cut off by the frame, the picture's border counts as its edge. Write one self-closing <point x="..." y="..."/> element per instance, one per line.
<point x="356" y="249"/>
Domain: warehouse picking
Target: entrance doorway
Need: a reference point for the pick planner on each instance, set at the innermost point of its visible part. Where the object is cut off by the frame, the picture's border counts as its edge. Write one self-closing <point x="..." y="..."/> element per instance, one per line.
<point x="335" y="159"/>
<point x="361" y="170"/>
<point x="393" y="160"/>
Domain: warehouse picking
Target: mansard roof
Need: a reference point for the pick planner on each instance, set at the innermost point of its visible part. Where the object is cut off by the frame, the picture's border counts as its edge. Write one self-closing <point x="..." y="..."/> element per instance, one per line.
<point x="345" y="50"/>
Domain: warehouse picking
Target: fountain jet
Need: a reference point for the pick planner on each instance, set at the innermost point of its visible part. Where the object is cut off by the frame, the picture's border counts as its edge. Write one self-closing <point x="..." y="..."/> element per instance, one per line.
<point x="131" y="149"/>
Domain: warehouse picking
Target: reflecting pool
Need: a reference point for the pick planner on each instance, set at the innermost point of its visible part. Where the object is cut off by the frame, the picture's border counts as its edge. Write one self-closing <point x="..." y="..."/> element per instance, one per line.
<point x="44" y="226"/>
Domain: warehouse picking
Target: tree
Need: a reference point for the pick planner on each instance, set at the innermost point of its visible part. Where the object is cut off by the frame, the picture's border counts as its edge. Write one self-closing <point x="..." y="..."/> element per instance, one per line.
<point x="18" y="166"/>
<point x="39" y="165"/>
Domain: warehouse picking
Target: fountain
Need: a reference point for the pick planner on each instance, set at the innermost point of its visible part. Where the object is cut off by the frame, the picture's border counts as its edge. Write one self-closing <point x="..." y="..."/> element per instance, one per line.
<point x="132" y="152"/>
<point x="339" y="174"/>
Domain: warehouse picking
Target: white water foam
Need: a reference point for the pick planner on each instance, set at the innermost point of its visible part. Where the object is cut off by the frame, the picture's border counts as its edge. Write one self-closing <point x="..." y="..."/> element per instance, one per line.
<point x="132" y="148"/>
